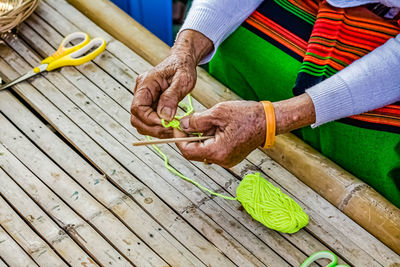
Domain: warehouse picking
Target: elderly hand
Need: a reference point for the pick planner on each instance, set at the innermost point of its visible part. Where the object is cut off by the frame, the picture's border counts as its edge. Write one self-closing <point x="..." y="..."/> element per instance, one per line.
<point x="238" y="126"/>
<point x="158" y="91"/>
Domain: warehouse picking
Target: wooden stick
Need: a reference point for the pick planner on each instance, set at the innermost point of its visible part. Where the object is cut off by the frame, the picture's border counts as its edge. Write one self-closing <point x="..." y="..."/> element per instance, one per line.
<point x="170" y="140"/>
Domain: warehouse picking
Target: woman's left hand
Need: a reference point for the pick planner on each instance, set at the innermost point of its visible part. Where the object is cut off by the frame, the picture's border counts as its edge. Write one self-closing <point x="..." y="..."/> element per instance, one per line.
<point x="238" y="127"/>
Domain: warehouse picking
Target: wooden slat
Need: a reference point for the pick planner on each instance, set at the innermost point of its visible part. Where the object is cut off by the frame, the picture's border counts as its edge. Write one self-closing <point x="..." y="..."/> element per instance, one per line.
<point x="108" y="108"/>
<point x="330" y="239"/>
<point x="3" y="264"/>
<point x="34" y="216"/>
<point x="303" y="240"/>
<point x="11" y="252"/>
<point x="208" y="253"/>
<point x="270" y="237"/>
<point x="333" y="240"/>
<point x="279" y="241"/>
<point x="81" y="201"/>
<point x="111" y="108"/>
<point x="364" y="240"/>
<point x="56" y="210"/>
<point x="32" y="244"/>
<point x="188" y="169"/>
<point x="125" y="208"/>
<point x="242" y="255"/>
<point x="338" y="186"/>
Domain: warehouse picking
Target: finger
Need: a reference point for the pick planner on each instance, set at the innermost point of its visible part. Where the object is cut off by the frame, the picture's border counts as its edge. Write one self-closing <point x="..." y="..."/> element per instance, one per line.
<point x="210" y="132"/>
<point x="155" y="131"/>
<point x="199" y="151"/>
<point x="142" y="107"/>
<point x="177" y="133"/>
<point x="199" y="122"/>
<point x="170" y="99"/>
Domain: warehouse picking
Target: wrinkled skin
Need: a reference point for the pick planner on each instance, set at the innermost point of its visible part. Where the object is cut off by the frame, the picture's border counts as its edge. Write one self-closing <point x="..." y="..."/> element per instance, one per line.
<point x="238" y="127"/>
<point x="158" y="91"/>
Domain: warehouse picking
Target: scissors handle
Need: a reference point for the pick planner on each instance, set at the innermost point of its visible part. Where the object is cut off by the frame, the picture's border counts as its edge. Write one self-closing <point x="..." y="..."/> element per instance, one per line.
<point x="80" y="56"/>
<point x="64" y="49"/>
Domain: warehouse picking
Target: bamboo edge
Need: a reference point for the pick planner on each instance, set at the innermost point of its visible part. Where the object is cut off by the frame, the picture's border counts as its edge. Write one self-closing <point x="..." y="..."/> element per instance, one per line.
<point x="356" y="199"/>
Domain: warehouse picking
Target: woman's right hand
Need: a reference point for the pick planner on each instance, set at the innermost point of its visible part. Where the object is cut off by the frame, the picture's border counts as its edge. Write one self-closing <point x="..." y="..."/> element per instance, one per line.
<point x="158" y="91"/>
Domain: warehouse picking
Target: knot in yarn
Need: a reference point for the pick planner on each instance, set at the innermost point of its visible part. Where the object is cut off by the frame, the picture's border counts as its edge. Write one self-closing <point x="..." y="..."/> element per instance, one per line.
<point x="268" y="205"/>
<point x="174" y="124"/>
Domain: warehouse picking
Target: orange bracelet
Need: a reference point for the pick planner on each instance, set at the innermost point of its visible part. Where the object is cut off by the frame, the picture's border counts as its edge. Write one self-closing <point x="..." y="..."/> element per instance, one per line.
<point x="270" y="124"/>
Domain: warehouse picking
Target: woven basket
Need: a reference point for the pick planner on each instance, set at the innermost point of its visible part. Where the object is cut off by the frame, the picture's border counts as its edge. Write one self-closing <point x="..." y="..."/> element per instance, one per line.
<point x="13" y="12"/>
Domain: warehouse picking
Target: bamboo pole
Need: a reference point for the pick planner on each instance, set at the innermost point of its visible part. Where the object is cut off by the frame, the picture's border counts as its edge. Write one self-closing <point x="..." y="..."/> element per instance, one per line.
<point x="356" y="199"/>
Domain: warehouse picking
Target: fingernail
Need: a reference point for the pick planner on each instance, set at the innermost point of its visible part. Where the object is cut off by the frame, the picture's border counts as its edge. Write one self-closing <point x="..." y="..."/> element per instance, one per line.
<point x="184" y="123"/>
<point x="166" y="113"/>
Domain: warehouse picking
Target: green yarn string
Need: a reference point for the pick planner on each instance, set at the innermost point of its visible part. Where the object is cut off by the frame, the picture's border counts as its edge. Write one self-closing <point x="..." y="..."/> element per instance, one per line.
<point x="263" y="201"/>
<point x="175" y="122"/>
<point x="323" y="255"/>
<point x="171" y="169"/>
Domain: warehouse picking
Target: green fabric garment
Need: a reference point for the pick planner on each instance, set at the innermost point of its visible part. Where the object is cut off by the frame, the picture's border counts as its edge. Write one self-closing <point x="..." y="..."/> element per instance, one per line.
<point x="257" y="70"/>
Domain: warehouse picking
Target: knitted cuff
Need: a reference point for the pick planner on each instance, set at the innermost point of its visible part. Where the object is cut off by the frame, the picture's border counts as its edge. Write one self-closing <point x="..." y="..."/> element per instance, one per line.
<point x="332" y="100"/>
<point x="207" y="21"/>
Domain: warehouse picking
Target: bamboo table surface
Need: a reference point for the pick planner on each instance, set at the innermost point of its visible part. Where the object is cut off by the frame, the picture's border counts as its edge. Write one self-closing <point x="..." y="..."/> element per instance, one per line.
<point x="74" y="191"/>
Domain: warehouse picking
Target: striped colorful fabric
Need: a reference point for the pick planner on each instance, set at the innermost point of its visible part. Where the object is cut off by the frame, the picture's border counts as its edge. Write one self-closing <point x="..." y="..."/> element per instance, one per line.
<point x="305" y="10"/>
<point x="338" y="37"/>
<point x="389" y="114"/>
<point x="278" y="33"/>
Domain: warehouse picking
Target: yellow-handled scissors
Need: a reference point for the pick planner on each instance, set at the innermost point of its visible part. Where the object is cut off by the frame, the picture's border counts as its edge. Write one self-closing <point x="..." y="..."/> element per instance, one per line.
<point x="83" y="51"/>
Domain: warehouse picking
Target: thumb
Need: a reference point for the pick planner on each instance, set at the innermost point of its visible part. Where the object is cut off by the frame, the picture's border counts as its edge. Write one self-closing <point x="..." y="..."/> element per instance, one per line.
<point x="169" y="101"/>
<point x="198" y="122"/>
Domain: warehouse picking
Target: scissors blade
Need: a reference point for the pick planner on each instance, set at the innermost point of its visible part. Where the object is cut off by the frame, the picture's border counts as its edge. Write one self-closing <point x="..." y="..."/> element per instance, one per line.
<point x="28" y="75"/>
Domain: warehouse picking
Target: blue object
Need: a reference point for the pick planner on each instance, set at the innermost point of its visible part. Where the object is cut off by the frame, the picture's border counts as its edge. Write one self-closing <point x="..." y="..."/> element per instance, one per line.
<point x="155" y="15"/>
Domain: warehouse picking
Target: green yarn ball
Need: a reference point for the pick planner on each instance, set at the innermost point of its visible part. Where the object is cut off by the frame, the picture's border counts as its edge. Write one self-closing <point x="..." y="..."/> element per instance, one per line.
<point x="268" y="205"/>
